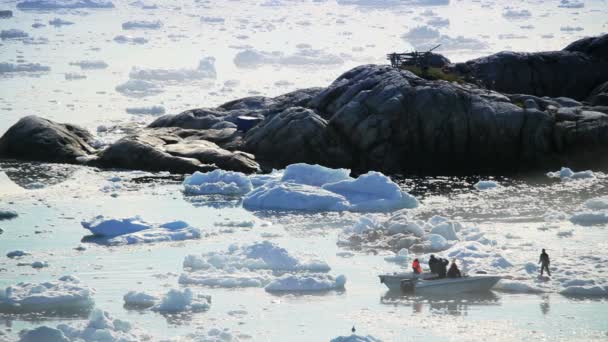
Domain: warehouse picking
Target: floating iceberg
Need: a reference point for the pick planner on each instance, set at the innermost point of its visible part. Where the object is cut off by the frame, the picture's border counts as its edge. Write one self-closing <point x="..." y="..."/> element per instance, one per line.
<point x="217" y="182"/>
<point x="485" y="185"/>
<point x="27" y="67"/>
<point x="139" y="299"/>
<point x="585" y="291"/>
<point x="57" y="22"/>
<point x="317" y="188"/>
<point x="90" y="64"/>
<point x="590" y="218"/>
<point x="101" y="327"/>
<point x="63" y="4"/>
<point x="16" y="254"/>
<point x="306" y="283"/>
<point x="205" y="69"/>
<point x="231" y="278"/>
<point x="13" y="34"/>
<point x="251" y="58"/>
<point x="257" y="256"/>
<point x="121" y="39"/>
<point x="7" y="214"/>
<point x="142" y="24"/>
<point x="353" y="337"/>
<point x="182" y="300"/>
<point x="134" y="230"/>
<point x="65" y="294"/>
<point x="138" y="88"/>
<point x="152" y="110"/>
<point x="567" y="174"/>
<point x="598" y="203"/>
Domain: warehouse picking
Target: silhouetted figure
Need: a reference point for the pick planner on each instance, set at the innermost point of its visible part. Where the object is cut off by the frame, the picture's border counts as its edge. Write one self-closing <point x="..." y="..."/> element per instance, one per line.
<point x="416" y="267"/>
<point x="454" y="272"/>
<point x="544" y="262"/>
<point x="353" y="329"/>
<point x="442" y="267"/>
<point x="433" y="263"/>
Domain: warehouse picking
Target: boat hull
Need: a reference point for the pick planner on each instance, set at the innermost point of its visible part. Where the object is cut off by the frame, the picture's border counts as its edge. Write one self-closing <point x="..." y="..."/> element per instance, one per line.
<point x="439" y="286"/>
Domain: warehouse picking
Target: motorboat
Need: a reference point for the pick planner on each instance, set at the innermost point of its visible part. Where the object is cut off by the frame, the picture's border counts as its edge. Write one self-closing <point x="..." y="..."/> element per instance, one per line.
<point x="429" y="283"/>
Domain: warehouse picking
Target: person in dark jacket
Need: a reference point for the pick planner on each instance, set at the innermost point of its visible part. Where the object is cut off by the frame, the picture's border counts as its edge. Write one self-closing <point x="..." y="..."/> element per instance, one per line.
<point x="544" y="261"/>
<point x="442" y="267"/>
<point x="433" y="262"/>
<point x="454" y="272"/>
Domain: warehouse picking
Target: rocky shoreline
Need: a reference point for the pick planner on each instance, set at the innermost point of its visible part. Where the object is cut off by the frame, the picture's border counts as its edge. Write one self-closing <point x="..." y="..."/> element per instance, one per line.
<point x="527" y="111"/>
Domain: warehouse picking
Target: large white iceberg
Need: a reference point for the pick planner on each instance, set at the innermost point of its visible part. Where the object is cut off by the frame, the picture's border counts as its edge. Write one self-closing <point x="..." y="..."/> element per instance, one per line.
<point x="101" y="327"/>
<point x="317" y="188"/>
<point x="65" y="294"/>
<point x="306" y="283"/>
<point x="567" y="174"/>
<point x="134" y="230"/>
<point x="217" y="182"/>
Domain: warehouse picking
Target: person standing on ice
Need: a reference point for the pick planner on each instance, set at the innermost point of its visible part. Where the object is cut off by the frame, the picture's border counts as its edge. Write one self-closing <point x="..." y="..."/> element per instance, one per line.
<point x="544" y="261"/>
<point x="416" y="267"/>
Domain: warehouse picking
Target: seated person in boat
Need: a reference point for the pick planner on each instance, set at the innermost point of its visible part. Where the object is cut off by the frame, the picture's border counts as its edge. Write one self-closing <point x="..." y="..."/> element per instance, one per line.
<point x="454" y="272"/>
<point x="416" y="267"/>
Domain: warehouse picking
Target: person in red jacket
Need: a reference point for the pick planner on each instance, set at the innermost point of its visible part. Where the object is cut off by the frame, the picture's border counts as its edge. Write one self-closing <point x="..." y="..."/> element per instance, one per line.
<point x="416" y="267"/>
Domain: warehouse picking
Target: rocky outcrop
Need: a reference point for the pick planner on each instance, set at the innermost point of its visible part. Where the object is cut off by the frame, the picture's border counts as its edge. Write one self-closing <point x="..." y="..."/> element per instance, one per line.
<point x="295" y="135"/>
<point x="35" y="138"/>
<point x="544" y="73"/>
<point x="599" y="95"/>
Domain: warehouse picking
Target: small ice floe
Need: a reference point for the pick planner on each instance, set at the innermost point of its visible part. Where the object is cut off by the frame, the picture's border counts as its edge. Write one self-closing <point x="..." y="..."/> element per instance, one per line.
<point x="212" y="335"/>
<point x="6" y="68"/>
<point x="590" y="218"/>
<point x="590" y="290"/>
<point x="138" y="88"/>
<point x="306" y="283"/>
<point x="355" y="338"/>
<point x="263" y="255"/>
<point x="65" y="294"/>
<point x="252" y="58"/>
<point x="71" y="76"/>
<point x="571" y="4"/>
<point x="205" y="69"/>
<point x="311" y="188"/>
<point x="58" y="22"/>
<point x="516" y="287"/>
<point x="63" y="4"/>
<point x="212" y="20"/>
<point x="121" y="39"/>
<point x="516" y="14"/>
<point x="181" y="301"/>
<point x="13" y="34"/>
<point x="6" y="214"/>
<point x="567" y="174"/>
<point x="134" y="230"/>
<point x="485" y="185"/>
<point x="217" y="182"/>
<point x="230" y="278"/>
<point x="555" y="216"/>
<point x="598" y="203"/>
<point x="85" y="65"/>
<point x="151" y="110"/>
<point x="35" y="264"/>
<point x="142" y="24"/>
<point x="100" y="327"/>
<point x="143" y="5"/>
<point x="235" y="223"/>
<point x="16" y="254"/>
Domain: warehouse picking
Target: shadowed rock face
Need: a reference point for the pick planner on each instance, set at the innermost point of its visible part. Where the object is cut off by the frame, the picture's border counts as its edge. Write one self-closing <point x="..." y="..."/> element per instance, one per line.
<point x="573" y="72"/>
<point x="35" y="138"/>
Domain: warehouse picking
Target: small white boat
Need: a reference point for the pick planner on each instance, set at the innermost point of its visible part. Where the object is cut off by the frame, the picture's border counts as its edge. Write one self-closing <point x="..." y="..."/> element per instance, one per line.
<point x="428" y="283"/>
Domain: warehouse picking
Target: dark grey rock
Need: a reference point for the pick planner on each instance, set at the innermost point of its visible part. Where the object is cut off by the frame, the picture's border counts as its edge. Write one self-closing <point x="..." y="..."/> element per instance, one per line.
<point x="35" y="138"/>
<point x="599" y="95"/>
<point x="212" y="154"/>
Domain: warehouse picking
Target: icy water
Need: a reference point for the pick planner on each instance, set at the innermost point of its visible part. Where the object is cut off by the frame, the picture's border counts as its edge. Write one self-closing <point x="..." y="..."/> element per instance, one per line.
<point x="268" y="48"/>
<point x="49" y="227"/>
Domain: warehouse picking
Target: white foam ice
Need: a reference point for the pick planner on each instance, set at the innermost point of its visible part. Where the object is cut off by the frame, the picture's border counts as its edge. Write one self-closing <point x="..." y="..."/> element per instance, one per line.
<point x="142" y="24"/>
<point x="598" y="203"/>
<point x="13" y="34"/>
<point x="182" y="300"/>
<point x="306" y="283"/>
<point x="217" y="182"/>
<point x="63" y="4"/>
<point x="138" y="88"/>
<point x="151" y="110"/>
<point x="101" y="327"/>
<point x="122" y="39"/>
<point x="139" y="299"/>
<point x="6" y="68"/>
<point x="205" y="70"/>
<point x="90" y="64"/>
<point x="263" y="255"/>
<point x="485" y="185"/>
<point x="317" y="188"/>
<point x="134" y="230"/>
<point x="65" y="294"/>
<point x="229" y="278"/>
<point x="252" y="58"/>
<point x="567" y="174"/>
